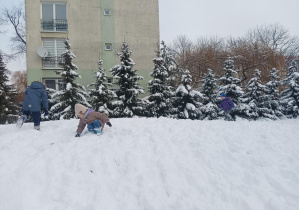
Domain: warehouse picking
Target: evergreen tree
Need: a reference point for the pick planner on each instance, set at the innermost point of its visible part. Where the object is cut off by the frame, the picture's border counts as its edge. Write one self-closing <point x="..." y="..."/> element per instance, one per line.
<point x="101" y="96"/>
<point x="289" y="99"/>
<point x="160" y="91"/>
<point x="7" y="107"/>
<point x="127" y="80"/>
<point x="273" y="85"/>
<point x="255" y="90"/>
<point x="254" y="87"/>
<point x="73" y="92"/>
<point x="209" y="91"/>
<point x="187" y="100"/>
<point x="229" y="84"/>
<point x="51" y="102"/>
<point x="170" y="65"/>
<point x="269" y="103"/>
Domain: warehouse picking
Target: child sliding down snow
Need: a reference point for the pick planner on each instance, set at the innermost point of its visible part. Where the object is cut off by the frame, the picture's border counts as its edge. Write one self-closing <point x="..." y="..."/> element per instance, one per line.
<point x="95" y="121"/>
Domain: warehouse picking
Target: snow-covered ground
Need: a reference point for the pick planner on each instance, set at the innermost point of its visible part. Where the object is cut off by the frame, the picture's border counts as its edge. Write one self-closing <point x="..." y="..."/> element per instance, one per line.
<point x="151" y="164"/>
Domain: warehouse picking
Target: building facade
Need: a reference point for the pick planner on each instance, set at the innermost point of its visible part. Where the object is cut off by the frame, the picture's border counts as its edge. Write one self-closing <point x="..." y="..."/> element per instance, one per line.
<point x="95" y="29"/>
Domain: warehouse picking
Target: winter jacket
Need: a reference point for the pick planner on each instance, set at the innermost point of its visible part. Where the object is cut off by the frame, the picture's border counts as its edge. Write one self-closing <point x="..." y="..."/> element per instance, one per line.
<point x="226" y="104"/>
<point x="90" y="117"/>
<point x="34" y="96"/>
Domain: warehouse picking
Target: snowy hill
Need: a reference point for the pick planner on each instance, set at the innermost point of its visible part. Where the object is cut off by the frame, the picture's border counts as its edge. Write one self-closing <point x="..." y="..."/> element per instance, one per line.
<point x="152" y="164"/>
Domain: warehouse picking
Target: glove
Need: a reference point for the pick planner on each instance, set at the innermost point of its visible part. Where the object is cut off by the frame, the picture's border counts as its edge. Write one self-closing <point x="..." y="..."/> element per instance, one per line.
<point x="77" y="135"/>
<point x="46" y="112"/>
<point x="45" y="117"/>
<point x="109" y="124"/>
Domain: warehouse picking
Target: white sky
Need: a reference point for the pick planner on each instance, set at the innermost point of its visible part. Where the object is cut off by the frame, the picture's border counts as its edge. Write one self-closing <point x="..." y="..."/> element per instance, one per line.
<point x="196" y="18"/>
<point x="222" y="18"/>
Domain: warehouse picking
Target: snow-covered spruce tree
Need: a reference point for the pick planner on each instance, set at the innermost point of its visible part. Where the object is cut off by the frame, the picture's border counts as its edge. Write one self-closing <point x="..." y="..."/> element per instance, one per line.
<point x="171" y="66"/>
<point x="160" y="91"/>
<point x="7" y="108"/>
<point x="229" y="84"/>
<point x="269" y="102"/>
<point x="187" y="100"/>
<point x="51" y="92"/>
<point x="255" y="89"/>
<point x="73" y="92"/>
<point x="209" y="90"/>
<point x="129" y="89"/>
<point x="101" y="96"/>
<point x="289" y="98"/>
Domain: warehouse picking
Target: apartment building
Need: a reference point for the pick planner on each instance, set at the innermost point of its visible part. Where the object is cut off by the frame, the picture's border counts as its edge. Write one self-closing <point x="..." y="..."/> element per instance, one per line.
<point x="96" y="30"/>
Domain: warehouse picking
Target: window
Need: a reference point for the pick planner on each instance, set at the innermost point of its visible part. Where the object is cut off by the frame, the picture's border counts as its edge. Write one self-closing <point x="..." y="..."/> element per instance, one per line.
<point x="55" y="84"/>
<point x="107" y="12"/>
<point x="54" y="17"/>
<point x="109" y="80"/>
<point x="55" y="48"/>
<point x="108" y="46"/>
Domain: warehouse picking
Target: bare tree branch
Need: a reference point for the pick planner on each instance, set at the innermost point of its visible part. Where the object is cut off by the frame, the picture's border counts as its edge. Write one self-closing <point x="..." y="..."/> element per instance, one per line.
<point x="16" y="18"/>
<point x="19" y="79"/>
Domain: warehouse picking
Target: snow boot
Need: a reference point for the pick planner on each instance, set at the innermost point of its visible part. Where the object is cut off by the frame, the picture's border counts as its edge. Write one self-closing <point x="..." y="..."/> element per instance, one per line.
<point x="21" y="120"/>
<point x="98" y="131"/>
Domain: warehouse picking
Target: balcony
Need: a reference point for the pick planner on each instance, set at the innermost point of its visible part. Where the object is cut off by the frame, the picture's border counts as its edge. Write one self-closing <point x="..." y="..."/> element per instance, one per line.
<point x="52" y="62"/>
<point x="54" y="25"/>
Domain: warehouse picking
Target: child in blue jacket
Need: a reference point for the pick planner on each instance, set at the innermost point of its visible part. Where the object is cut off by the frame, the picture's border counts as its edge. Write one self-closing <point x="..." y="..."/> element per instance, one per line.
<point x="226" y="105"/>
<point x="35" y="95"/>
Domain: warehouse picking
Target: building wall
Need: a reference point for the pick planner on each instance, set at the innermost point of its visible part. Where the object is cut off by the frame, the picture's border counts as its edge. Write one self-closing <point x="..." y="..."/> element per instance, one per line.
<point x="108" y="34"/>
<point x="137" y="22"/>
<point x="34" y="37"/>
<point x="134" y="21"/>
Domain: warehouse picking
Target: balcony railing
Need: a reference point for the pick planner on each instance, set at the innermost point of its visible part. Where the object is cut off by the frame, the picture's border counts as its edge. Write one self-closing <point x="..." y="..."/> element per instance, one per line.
<point x="52" y="62"/>
<point x="54" y="25"/>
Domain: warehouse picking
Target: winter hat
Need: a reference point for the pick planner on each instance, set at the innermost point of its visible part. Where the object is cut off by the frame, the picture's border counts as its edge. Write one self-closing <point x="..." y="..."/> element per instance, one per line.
<point x="80" y="109"/>
<point x="223" y="95"/>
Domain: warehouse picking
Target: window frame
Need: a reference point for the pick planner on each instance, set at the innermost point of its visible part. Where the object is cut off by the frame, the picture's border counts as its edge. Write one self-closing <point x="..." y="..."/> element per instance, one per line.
<point x="108" y="44"/>
<point x="55" y="57"/>
<point x="53" y="22"/>
<point x="109" y="80"/>
<point x="107" y="10"/>
<point x="55" y="44"/>
<point x="57" y="81"/>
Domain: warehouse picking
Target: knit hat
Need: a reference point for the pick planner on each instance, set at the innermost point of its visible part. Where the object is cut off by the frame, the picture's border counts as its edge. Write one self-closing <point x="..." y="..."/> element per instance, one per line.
<point x="80" y="109"/>
<point x="223" y="95"/>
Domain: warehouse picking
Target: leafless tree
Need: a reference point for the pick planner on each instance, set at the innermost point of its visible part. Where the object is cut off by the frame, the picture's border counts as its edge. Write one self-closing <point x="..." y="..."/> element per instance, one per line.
<point x="200" y="56"/>
<point x="247" y="56"/>
<point x="264" y="47"/>
<point x="211" y="51"/>
<point x="277" y="38"/>
<point x="16" y="18"/>
<point x="182" y="46"/>
<point x="2" y="23"/>
<point x="19" y="79"/>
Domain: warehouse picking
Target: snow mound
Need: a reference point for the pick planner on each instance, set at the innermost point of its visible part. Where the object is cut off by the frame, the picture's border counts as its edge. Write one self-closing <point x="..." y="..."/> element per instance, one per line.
<point x="153" y="164"/>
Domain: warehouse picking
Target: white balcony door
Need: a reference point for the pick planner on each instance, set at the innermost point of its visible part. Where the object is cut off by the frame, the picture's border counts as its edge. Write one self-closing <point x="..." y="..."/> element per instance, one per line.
<point x="55" y="48"/>
<point x="53" y="11"/>
<point x="47" y="11"/>
<point x="60" y="11"/>
<point x="54" y="16"/>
